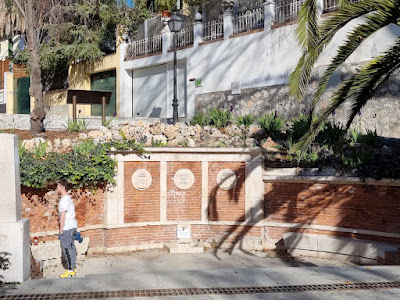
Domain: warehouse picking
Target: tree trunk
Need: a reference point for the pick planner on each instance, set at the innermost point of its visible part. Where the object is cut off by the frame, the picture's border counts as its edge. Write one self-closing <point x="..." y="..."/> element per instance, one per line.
<point x="36" y="89"/>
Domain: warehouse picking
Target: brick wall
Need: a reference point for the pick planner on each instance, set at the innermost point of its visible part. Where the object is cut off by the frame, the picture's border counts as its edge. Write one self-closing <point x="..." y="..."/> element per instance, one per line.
<point x="225" y="233"/>
<point x="139" y="235"/>
<point x="142" y="206"/>
<point x="367" y="207"/>
<point x="40" y="206"/>
<point x="184" y="204"/>
<point x="226" y="205"/>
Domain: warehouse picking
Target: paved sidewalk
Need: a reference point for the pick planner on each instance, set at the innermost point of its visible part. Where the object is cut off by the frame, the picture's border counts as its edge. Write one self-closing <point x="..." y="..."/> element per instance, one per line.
<point x="160" y="270"/>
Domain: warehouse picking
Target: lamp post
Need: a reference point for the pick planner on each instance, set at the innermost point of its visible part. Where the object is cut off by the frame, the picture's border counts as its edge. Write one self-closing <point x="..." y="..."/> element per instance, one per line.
<point x="175" y="25"/>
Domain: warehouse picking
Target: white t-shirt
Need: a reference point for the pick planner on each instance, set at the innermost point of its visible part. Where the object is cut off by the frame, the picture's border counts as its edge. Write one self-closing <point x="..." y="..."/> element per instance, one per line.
<point x="68" y="206"/>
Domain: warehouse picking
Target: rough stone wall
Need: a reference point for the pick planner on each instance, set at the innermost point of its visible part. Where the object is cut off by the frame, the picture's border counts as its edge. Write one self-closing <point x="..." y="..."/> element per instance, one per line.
<point x="363" y="207"/>
<point x="380" y="114"/>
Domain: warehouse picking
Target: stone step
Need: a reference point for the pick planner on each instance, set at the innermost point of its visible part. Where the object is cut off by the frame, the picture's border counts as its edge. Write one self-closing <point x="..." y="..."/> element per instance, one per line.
<point x="183" y="248"/>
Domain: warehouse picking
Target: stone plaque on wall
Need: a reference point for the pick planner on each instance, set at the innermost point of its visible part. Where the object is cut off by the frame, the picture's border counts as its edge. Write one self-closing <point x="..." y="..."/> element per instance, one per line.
<point x="141" y="179"/>
<point x="226" y="179"/>
<point x="184" y="179"/>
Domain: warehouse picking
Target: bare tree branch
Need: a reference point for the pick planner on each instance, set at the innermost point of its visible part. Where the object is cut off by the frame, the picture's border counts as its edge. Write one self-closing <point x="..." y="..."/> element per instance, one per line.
<point x="20" y="8"/>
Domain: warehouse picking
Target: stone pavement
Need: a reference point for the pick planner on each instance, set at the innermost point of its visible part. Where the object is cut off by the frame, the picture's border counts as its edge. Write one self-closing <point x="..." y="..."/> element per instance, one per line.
<point x="160" y="270"/>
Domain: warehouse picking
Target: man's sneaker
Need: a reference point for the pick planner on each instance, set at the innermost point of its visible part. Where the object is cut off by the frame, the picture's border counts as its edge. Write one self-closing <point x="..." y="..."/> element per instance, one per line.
<point x="68" y="274"/>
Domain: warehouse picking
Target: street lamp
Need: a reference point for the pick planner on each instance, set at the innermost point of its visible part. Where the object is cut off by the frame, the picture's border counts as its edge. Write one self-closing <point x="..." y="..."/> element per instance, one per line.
<point x="175" y="25"/>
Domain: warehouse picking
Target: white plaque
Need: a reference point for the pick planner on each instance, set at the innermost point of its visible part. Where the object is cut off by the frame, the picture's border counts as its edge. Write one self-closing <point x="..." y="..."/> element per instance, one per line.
<point x="236" y="88"/>
<point x="183" y="233"/>
<point x="184" y="179"/>
<point x="226" y="179"/>
<point x="141" y="179"/>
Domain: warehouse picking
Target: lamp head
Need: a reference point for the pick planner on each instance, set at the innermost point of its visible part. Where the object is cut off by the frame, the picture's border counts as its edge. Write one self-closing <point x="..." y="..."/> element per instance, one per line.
<point x="175" y="22"/>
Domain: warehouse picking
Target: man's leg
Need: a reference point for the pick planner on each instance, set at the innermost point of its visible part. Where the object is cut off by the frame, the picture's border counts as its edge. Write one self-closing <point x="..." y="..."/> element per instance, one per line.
<point x="68" y="247"/>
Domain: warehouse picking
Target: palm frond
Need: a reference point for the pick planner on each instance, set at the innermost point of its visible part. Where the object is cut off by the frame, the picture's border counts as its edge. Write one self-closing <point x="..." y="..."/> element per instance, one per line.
<point x="301" y="76"/>
<point x="339" y="97"/>
<point x="381" y="17"/>
<point x="370" y="79"/>
<point x="358" y="88"/>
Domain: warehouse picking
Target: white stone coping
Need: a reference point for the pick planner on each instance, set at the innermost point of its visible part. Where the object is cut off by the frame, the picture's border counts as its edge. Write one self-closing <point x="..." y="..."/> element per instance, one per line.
<point x="320" y="175"/>
<point x="152" y="150"/>
<point x="263" y="223"/>
<point x="331" y="228"/>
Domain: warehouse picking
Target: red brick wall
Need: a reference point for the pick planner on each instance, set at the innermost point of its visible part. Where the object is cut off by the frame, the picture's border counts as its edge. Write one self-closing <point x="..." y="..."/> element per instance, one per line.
<point x="140" y="235"/>
<point x="142" y="206"/>
<point x="225" y="233"/>
<point x="367" y="207"/>
<point x="226" y="205"/>
<point x="184" y="204"/>
<point x="41" y="208"/>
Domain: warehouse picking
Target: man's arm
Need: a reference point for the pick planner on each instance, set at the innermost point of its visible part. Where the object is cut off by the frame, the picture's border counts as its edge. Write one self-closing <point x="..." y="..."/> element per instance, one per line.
<point x="62" y="221"/>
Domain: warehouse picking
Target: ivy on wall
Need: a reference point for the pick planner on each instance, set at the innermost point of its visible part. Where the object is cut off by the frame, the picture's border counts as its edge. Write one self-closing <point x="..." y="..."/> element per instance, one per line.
<point x="87" y="166"/>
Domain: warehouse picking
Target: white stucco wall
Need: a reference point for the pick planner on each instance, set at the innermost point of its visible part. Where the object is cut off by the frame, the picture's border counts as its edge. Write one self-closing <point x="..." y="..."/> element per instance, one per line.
<point x="256" y="60"/>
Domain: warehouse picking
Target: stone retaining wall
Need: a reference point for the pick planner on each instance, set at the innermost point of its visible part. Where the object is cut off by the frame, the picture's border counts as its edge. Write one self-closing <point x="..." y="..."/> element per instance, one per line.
<point x="379" y="114"/>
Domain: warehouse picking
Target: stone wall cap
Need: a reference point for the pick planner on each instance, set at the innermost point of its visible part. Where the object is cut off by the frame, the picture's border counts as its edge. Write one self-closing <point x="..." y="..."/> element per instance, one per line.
<point x="321" y="175"/>
<point x="254" y="150"/>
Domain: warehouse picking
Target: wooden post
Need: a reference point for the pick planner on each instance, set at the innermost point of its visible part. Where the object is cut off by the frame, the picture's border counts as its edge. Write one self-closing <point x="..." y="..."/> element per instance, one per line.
<point x="103" y="103"/>
<point x="74" y="100"/>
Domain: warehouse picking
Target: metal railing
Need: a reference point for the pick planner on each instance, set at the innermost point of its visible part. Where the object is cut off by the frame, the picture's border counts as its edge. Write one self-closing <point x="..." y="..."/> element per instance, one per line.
<point x="287" y="10"/>
<point x="249" y="20"/>
<point x="144" y="47"/>
<point x="332" y="5"/>
<point x="213" y="30"/>
<point x="184" y="37"/>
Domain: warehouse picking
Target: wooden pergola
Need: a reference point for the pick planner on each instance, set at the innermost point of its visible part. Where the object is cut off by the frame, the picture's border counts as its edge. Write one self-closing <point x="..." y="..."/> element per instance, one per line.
<point x="75" y="97"/>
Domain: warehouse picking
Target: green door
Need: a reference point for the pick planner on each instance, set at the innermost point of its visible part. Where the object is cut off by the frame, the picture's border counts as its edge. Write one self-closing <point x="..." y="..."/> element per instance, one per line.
<point x="21" y="97"/>
<point x="105" y="81"/>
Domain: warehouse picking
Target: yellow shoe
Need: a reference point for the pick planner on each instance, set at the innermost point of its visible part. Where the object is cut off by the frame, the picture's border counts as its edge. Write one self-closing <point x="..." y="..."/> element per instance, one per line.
<point x="68" y="274"/>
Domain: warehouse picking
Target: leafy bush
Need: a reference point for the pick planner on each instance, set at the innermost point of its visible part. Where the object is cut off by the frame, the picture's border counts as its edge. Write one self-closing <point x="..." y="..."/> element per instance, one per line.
<point x="356" y="158"/>
<point x="40" y="149"/>
<point x="330" y="134"/>
<point x="199" y="118"/>
<point x="76" y="126"/>
<point x="219" y="117"/>
<point x="371" y="138"/>
<point x="214" y="117"/>
<point x="299" y="127"/>
<point x="245" y="120"/>
<point x="88" y="165"/>
<point x="272" y="125"/>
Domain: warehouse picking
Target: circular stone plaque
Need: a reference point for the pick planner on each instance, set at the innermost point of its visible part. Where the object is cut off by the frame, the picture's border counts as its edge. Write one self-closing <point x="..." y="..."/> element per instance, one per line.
<point x="184" y="179"/>
<point x="226" y="179"/>
<point x="141" y="179"/>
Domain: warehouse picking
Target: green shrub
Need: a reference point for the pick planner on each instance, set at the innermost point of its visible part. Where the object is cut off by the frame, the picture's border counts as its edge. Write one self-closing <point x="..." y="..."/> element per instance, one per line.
<point x="330" y="134"/>
<point x="272" y="125"/>
<point x="371" y="138"/>
<point x="76" y="126"/>
<point x="200" y="118"/>
<point x="298" y="127"/>
<point x="85" y="147"/>
<point x="219" y="117"/>
<point x="88" y="165"/>
<point x="245" y="120"/>
<point x="356" y="158"/>
<point x="40" y="149"/>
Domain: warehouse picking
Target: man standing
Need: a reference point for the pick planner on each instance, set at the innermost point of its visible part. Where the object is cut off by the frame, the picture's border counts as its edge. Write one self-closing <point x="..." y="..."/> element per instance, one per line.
<point x="68" y="225"/>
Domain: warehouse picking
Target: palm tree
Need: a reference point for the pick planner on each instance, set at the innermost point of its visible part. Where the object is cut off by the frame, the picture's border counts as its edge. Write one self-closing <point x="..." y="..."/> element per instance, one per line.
<point x="315" y="35"/>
